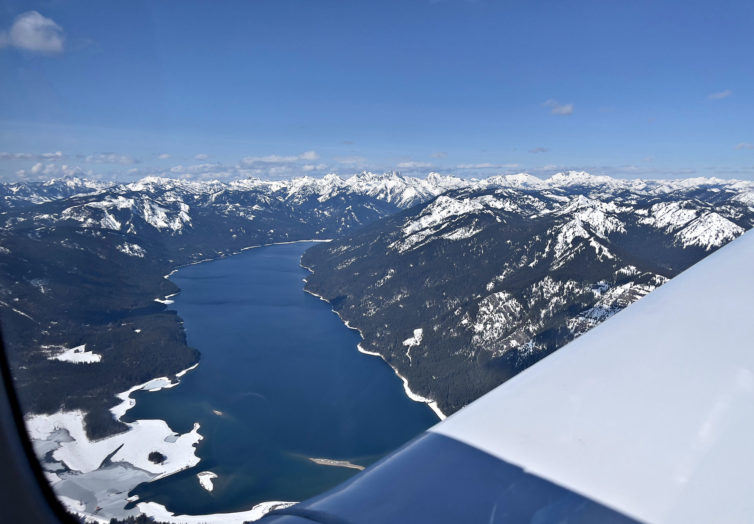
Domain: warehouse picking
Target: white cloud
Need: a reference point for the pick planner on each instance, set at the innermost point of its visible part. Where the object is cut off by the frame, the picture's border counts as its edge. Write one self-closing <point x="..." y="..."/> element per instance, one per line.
<point x="309" y="156"/>
<point x="351" y="160"/>
<point x="204" y="171"/>
<point x="269" y="167"/>
<point x="15" y="156"/>
<point x="308" y="168"/>
<point x="196" y="168"/>
<point x="201" y="156"/>
<point x="482" y="165"/>
<point x="439" y="154"/>
<point x="57" y="155"/>
<point x="744" y="145"/>
<point x="558" y="109"/>
<point x="33" y="32"/>
<point x="50" y="170"/>
<point x="720" y="95"/>
<point x="269" y="159"/>
<point x="110" y="158"/>
<point x="414" y="165"/>
<point x="487" y="165"/>
<point x="163" y="156"/>
<point x="539" y="150"/>
<point x="628" y="170"/>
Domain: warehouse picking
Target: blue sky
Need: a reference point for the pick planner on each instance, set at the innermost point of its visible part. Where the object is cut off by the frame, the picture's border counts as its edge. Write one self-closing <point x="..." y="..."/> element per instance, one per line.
<point x="276" y="88"/>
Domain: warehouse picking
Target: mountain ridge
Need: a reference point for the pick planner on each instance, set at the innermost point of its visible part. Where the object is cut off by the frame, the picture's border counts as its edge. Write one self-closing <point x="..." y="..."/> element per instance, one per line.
<point x="84" y="261"/>
<point x="496" y="278"/>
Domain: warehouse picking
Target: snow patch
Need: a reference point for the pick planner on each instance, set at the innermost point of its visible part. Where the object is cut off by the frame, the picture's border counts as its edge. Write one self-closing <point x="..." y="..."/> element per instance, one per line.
<point x="205" y="479"/>
<point x="133" y="250"/>
<point x="416" y="339"/>
<point x="161" y="514"/>
<point x="76" y="355"/>
<point x="709" y="231"/>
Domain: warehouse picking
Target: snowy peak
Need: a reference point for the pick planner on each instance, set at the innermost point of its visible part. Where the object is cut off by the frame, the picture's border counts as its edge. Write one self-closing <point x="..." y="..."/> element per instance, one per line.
<point x="578" y="178"/>
<point x="709" y="231"/>
<point x="517" y="180"/>
<point x="503" y="272"/>
<point x="592" y="207"/>
<point x="23" y="194"/>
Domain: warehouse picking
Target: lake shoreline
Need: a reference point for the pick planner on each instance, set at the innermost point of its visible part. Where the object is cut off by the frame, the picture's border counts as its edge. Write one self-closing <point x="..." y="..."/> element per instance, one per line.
<point x="409" y="393"/>
<point x="72" y="423"/>
<point x="73" y="462"/>
<point x="101" y="508"/>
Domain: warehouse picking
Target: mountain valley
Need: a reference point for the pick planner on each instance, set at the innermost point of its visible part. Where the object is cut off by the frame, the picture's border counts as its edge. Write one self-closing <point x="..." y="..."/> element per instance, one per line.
<point x="457" y="283"/>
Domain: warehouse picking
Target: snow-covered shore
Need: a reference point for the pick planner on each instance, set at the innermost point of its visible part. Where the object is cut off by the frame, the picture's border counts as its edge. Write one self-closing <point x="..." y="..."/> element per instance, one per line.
<point x="161" y="514"/>
<point x="76" y="355"/>
<point x="93" y="477"/>
<point x="410" y="394"/>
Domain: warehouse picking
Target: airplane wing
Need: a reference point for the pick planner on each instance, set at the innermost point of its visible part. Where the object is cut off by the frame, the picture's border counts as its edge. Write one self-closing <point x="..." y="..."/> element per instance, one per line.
<point x="647" y="417"/>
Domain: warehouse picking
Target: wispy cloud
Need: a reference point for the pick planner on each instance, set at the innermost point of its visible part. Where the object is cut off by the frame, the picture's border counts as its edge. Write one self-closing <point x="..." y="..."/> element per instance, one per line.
<point x="557" y="108"/>
<point x="487" y="165"/>
<point x="281" y="166"/>
<point x="215" y="170"/>
<point x="481" y="165"/>
<point x="163" y="156"/>
<point x="410" y="164"/>
<point x="744" y="145"/>
<point x="354" y="161"/>
<point x="439" y="154"/>
<point x="539" y="150"/>
<point x="57" y="155"/>
<point x="42" y="170"/>
<point x="33" y="32"/>
<point x="308" y="168"/>
<point x="110" y="158"/>
<point x="201" y="156"/>
<point x="720" y="95"/>
<point x="626" y="170"/>
<point x="307" y="156"/>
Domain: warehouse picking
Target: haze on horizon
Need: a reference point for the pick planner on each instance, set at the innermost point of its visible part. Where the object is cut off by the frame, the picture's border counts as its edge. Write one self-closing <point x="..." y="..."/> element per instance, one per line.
<point x="473" y="88"/>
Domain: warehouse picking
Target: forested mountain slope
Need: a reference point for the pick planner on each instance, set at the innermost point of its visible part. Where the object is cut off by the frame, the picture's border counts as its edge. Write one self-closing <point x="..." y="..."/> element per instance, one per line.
<point x="463" y="292"/>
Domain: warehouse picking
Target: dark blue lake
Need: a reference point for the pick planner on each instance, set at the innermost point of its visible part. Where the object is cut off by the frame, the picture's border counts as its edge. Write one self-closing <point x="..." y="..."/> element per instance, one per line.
<point x="280" y="380"/>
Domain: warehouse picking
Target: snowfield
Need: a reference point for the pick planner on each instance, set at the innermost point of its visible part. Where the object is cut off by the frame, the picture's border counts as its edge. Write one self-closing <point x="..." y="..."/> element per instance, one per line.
<point x="76" y="355"/>
<point x="97" y="467"/>
<point x="161" y="514"/>
<point x="205" y="479"/>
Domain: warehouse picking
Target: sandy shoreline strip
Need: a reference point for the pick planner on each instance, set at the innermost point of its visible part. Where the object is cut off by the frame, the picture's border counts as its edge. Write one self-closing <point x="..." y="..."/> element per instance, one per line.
<point x="336" y="463"/>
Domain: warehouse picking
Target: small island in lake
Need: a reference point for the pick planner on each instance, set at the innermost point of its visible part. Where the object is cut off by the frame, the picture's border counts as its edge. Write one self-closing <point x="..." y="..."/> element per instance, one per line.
<point x="336" y="463"/>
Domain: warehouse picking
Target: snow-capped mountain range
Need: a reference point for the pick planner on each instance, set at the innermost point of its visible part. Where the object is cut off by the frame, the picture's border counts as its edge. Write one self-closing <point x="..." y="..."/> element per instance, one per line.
<point x="496" y="276"/>
<point x="169" y="204"/>
<point x="458" y="283"/>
